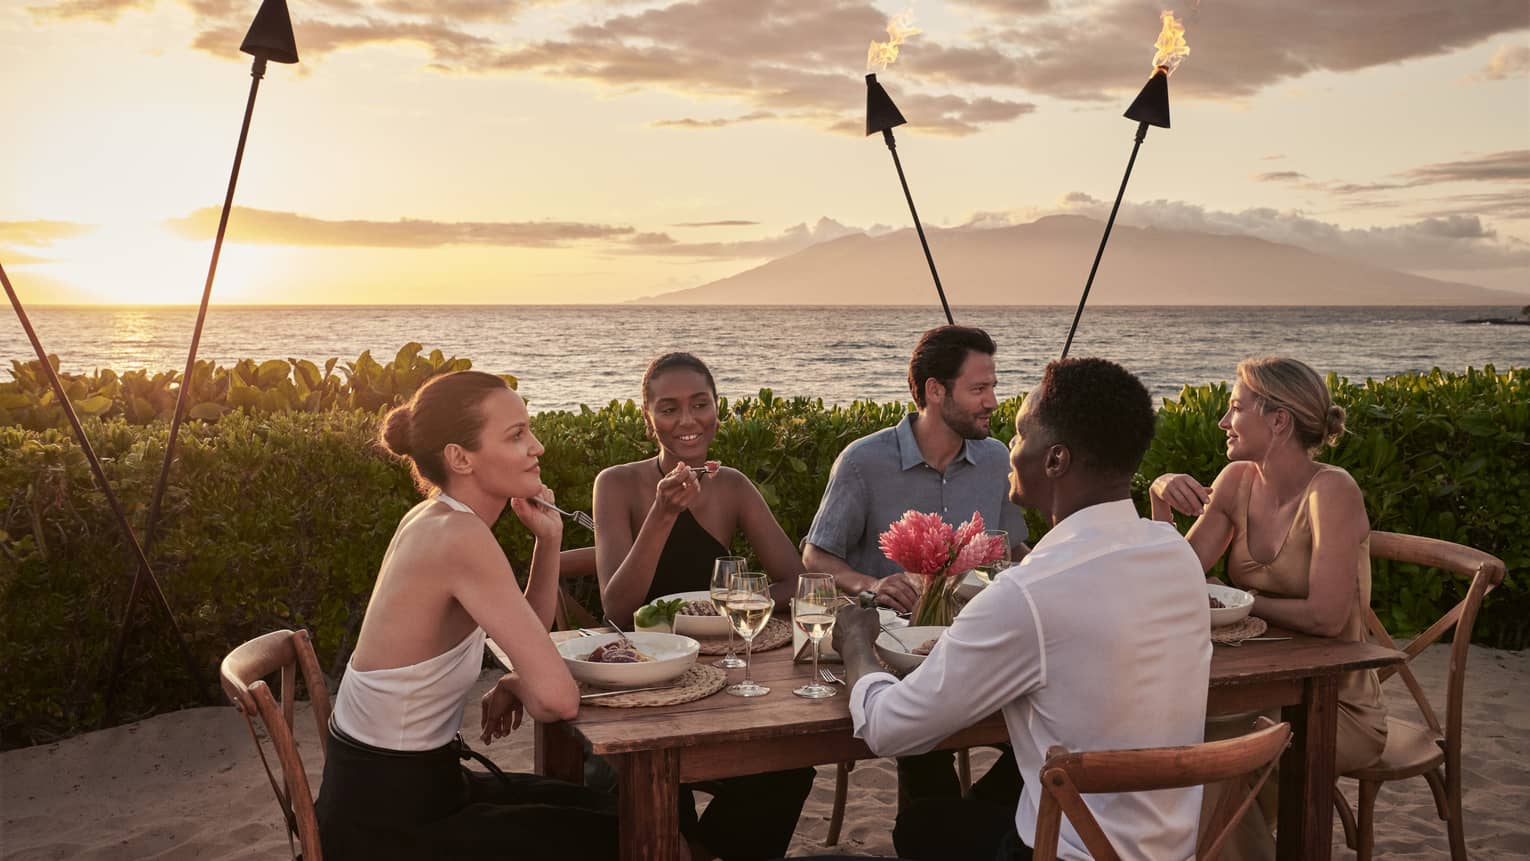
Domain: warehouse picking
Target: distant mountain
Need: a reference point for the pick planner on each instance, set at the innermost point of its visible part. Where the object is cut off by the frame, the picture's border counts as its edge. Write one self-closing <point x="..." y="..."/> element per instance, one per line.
<point x="1047" y="261"/>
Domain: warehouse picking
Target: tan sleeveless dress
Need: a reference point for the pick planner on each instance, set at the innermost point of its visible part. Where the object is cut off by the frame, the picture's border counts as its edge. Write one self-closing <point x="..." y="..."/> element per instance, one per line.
<point x="1362" y="715"/>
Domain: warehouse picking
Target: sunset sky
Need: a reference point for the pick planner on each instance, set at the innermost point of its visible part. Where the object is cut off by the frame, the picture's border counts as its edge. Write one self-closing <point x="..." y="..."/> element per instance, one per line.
<point x="542" y="151"/>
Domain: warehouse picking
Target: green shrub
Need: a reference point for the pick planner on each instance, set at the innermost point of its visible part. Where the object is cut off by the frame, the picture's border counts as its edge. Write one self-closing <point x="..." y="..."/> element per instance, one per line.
<point x="280" y="518"/>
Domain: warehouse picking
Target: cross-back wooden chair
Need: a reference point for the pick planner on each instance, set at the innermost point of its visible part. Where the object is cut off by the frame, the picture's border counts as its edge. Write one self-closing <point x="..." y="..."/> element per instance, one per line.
<point x="1432" y="750"/>
<point x="1067" y="777"/>
<point x="243" y="673"/>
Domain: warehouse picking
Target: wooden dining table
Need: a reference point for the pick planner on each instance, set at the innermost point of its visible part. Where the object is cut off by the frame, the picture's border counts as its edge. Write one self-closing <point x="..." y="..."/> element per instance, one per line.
<point x="654" y="750"/>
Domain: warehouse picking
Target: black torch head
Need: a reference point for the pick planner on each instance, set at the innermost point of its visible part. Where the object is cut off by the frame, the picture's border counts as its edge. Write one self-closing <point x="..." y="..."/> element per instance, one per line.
<point x="1152" y="104"/>
<point x="881" y="113"/>
<point x="270" y="35"/>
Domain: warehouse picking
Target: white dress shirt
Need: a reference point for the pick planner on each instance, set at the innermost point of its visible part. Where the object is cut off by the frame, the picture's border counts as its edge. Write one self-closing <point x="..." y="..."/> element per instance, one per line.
<point x="1096" y="640"/>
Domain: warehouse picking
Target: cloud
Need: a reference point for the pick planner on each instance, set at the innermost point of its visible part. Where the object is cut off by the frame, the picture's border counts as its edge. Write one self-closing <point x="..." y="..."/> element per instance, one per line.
<point x="1457" y="242"/>
<point x="724" y="223"/>
<point x="1279" y="176"/>
<point x="1238" y="47"/>
<point x="715" y="122"/>
<point x="41" y="232"/>
<point x="11" y="257"/>
<point x="266" y="227"/>
<point x="791" y="240"/>
<point x="1511" y="60"/>
<point x="1508" y="166"/>
<point x="97" y="10"/>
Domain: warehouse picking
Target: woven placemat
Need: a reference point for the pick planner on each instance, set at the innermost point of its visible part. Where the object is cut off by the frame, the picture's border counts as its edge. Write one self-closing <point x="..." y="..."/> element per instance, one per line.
<point x="777" y="633"/>
<point x="1248" y="626"/>
<point x="697" y="682"/>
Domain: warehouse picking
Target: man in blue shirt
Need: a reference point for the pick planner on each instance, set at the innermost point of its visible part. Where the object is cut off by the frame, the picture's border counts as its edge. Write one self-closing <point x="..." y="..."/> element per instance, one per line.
<point x="938" y="460"/>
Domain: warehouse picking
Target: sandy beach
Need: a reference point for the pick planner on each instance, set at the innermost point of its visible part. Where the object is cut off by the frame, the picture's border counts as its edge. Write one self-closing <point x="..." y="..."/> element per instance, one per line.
<point x="189" y="785"/>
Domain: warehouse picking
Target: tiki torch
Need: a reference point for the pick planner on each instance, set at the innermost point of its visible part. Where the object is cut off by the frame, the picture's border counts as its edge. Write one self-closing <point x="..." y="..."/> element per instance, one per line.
<point x="882" y="116"/>
<point x="1150" y="108"/>
<point x="269" y="40"/>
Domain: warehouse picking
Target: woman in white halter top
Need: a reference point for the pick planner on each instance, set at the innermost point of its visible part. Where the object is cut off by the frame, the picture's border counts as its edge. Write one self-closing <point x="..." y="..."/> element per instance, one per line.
<point x="393" y="785"/>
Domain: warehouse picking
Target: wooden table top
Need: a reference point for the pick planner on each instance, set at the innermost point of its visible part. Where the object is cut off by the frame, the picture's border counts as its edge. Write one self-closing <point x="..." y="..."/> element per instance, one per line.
<point x="722" y="716"/>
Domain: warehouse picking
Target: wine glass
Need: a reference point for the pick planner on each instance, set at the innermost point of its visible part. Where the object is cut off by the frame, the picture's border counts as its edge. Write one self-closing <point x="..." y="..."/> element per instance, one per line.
<point x="987" y="572"/>
<point x="749" y="605"/>
<point x="813" y="613"/>
<point x="722" y="572"/>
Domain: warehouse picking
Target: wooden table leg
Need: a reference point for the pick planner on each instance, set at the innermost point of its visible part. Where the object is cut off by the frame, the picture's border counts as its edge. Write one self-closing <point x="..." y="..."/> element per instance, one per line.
<point x="648" y="802"/>
<point x="559" y="753"/>
<point x="1305" y="831"/>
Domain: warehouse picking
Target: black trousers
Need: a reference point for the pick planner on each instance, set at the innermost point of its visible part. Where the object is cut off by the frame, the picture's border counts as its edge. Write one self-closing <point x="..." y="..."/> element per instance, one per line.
<point x="382" y="804"/>
<point x="928" y="790"/>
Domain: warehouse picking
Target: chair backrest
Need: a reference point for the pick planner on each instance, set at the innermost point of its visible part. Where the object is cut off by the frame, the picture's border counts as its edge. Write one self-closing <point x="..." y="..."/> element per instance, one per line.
<point x="243" y="673"/>
<point x="1067" y="777"/>
<point x="574" y="564"/>
<point x="1485" y="573"/>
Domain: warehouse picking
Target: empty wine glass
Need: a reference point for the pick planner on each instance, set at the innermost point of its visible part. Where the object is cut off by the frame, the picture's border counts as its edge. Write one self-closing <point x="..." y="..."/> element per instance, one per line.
<point x="722" y="572"/>
<point x="749" y="605"/>
<point x="987" y="572"/>
<point x="813" y="613"/>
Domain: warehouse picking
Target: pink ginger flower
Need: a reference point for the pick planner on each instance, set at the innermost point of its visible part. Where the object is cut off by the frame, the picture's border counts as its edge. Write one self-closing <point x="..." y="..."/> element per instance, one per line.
<point x="920" y="543"/>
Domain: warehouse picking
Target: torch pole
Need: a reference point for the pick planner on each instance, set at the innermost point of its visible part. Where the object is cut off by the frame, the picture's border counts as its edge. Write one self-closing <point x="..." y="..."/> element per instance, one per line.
<point x="1142" y="128"/>
<point x="892" y="147"/>
<point x="144" y="572"/>
<point x="257" y="71"/>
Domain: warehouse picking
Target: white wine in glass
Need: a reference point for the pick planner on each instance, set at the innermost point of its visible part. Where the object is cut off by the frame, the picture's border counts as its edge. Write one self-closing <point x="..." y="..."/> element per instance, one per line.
<point x="813" y="611"/>
<point x="723" y="570"/>
<point x="748" y="607"/>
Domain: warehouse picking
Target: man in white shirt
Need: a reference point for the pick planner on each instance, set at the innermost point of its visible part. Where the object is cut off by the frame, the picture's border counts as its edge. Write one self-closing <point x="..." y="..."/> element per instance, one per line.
<point x="1096" y="640"/>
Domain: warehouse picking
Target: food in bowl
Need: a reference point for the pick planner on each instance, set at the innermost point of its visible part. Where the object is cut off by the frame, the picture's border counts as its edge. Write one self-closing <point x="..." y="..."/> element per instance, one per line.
<point x="1235" y="604"/>
<point x="926" y="647"/>
<point x="668" y="657"/>
<point x="619" y="651"/>
<point x="899" y="648"/>
<point x="698" y="608"/>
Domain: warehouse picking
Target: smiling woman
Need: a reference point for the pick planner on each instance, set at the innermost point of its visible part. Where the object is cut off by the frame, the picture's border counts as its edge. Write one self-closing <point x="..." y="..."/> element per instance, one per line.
<point x="137" y="264"/>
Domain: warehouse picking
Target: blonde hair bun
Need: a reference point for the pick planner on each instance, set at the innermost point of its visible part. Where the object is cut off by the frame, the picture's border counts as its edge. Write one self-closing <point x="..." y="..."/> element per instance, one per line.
<point x="1334" y="428"/>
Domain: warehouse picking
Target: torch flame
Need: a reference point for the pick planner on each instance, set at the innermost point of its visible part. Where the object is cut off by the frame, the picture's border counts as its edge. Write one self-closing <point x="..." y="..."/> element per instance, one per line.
<point x="1171" y="46"/>
<point x="900" y="28"/>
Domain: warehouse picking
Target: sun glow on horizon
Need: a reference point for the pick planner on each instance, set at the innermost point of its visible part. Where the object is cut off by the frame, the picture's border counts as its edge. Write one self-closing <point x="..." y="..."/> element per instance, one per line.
<point x="137" y="264"/>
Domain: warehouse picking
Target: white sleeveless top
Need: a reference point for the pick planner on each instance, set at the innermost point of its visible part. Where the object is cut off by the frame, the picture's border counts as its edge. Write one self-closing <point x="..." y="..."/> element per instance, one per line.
<point x="418" y="707"/>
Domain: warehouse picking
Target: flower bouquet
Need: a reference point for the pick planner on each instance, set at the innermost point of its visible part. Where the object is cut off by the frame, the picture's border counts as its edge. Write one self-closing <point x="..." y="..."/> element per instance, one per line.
<point x="926" y="545"/>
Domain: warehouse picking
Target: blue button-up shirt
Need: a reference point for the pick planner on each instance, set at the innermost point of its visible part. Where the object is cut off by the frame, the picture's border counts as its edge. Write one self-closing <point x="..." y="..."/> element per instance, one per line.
<point x="879" y="477"/>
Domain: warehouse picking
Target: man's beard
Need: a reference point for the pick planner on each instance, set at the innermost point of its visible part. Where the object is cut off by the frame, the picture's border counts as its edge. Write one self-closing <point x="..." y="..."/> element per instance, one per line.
<point x="965" y="425"/>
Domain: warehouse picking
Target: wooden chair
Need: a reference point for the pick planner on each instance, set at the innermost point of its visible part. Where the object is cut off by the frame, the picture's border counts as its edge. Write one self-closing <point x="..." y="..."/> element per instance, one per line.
<point x="243" y="675"/>
<point x="1432" y="751"/>
<point x="1067" y="777"/>
<point x="575" y="564"/>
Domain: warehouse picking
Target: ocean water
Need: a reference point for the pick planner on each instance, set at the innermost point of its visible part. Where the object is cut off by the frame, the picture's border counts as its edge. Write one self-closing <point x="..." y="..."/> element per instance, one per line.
<point x="571" y="355"/>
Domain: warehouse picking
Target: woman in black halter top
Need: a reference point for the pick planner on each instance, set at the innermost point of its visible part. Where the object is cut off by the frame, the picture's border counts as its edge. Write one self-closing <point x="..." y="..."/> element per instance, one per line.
<point x="660" y="524"/>
<point x="660" y="527"/>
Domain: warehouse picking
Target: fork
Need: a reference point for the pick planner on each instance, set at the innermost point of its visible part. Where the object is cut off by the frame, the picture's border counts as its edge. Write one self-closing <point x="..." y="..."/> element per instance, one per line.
<point x="823" y="673"/>
<point x="578" y="517"/>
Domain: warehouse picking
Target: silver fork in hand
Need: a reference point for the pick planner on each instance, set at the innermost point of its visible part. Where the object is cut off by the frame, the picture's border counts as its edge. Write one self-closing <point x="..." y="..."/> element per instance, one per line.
<point x="578" y="517"/>
<point x="823" y="673"/>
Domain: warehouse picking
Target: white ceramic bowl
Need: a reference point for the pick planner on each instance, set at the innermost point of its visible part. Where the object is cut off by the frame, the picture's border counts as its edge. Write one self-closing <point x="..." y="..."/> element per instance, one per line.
<point x="672" y="655"/>
<point x="897" y="652"/>
<point x="698" y="626"/>
<point x="1236" y="604"/>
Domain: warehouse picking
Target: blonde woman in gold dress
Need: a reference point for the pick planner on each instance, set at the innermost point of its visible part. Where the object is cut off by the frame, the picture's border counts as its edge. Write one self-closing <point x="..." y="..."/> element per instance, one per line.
<point x="1294" y="532"/>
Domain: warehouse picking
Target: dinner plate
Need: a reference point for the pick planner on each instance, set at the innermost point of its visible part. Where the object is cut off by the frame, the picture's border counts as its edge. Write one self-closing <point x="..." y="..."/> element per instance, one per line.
<point x="698" y="626"/>
<point x="672" y="655"/>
